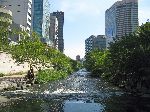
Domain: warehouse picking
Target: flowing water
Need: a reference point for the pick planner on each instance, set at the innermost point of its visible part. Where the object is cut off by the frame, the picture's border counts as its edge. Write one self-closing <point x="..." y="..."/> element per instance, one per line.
<point x="78" y="93"/>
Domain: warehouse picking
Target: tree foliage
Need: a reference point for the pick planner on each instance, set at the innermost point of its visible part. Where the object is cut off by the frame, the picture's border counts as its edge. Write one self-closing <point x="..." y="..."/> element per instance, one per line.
<point x="76" y="65"/>
<point x="127" y="62"/>
<point x="29" y="49"/>
<point x="5" y="22"/>
<point x="59" y="61"/>
<point x="130" y="57"/>
<point x="97" y="62"/>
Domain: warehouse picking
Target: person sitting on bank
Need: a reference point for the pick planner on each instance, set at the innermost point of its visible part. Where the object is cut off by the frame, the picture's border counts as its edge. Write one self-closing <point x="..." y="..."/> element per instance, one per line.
<point x="30" y="75"/>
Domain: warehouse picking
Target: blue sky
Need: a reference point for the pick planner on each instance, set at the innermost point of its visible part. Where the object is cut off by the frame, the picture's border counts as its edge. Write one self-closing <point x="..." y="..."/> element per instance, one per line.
<point x="87" y="17"/>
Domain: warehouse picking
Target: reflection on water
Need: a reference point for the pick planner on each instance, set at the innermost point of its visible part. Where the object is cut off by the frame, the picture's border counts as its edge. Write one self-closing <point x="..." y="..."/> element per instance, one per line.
<point x="69" y="104"/>
<point x="82" y="106"/>
<point x="78" y="93"/>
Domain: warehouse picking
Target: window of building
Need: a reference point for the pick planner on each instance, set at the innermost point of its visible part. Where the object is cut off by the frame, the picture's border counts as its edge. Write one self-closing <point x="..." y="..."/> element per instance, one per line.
<point x="29" y="14"/>
<point x="18" y="5"/>
<point x="9" y="5"/>
<point x="18" y="11"/>
<point x="28" y="25"/>
<point x="29" y="20"/>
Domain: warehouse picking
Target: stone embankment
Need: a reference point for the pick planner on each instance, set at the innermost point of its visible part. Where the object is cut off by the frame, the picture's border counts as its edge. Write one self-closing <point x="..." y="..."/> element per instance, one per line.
<point x="13" y="83"/>
<point x="8" y="68"/>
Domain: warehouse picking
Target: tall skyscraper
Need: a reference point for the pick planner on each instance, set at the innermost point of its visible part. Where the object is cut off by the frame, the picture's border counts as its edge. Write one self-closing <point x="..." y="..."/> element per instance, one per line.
<point x="121" y="19"/>
<point x="60" y="17"/>
<point x="93" y="42"/>
<point x="37" y="16"/>
<point x="41" y="19"/>
<point x="21" y="12"/>
<point x="53" y="30"/>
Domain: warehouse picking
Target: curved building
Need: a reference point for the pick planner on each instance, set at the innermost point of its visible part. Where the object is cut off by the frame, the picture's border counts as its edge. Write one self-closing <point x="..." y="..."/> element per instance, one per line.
<point x="121" y="19"/>
<point x="60" y="40"/>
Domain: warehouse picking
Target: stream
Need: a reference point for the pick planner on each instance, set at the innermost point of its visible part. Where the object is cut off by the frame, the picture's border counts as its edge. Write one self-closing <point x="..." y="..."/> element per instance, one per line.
<point x="77" y="93"/>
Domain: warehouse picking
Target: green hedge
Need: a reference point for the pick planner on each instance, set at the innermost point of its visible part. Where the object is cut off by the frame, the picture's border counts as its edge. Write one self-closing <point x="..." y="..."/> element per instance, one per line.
<point x="45" y="76"/>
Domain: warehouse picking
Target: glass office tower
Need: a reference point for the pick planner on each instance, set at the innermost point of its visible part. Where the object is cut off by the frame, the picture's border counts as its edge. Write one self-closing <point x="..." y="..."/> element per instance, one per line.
<point x="41" y="17"/>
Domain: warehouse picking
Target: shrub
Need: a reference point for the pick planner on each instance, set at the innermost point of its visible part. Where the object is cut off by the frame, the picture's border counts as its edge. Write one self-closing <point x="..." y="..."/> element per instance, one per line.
<point x="48" y="75"/>
<point x="1" y="74"/>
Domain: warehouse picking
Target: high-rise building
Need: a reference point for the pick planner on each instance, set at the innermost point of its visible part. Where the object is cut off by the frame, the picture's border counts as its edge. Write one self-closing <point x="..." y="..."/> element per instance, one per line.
<point x="89" y="44"/>
<point x="41" y="19"/>
<point x="121" y="19"/>
<point x="60" y="17"/>
<point x="93" y="42"/>
<point x="53" y="30"/>
<point x="37" y="16"/>
<point x="21" y="12"/>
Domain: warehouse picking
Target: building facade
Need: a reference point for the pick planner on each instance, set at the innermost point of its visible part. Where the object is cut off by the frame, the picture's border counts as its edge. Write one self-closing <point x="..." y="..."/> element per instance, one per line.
<point x="21" y="12"/>
<point x="89" y="44"/>
<point x="53" y="30"/>
<point x="60" y="17"/>
<point x="121" y="19"/>
<point x="37" y="16"/>
<point x="94" y="42"/>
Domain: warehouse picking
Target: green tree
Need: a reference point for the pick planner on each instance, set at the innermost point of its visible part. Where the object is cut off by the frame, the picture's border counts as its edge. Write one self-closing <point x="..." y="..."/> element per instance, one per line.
<point x="76" y="65"/>
<point x="29" y="49"/>
<point x="5" y="22"/>
<point x="59" y="61"/>
<point x="98" y="62"/>
<point x="130" y="58"/>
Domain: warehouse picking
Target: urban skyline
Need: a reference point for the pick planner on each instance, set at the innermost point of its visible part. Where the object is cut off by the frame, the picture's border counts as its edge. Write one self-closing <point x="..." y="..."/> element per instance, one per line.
<point x="35" y="16"/>
<point x="84" y="21"/>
